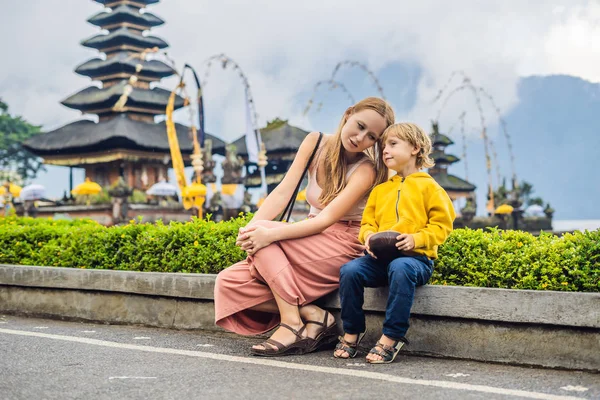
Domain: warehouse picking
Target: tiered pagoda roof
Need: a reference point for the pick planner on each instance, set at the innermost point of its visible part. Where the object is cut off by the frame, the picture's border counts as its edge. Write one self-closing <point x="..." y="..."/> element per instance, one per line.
<point x="134" y="3"/>
<point x="126" y="131"/>
<point x="282" y="142"/>
<point x="123" y="45"/>
<point x="452" y="184"/>
<point x="281" y="139"/>
<point x="122" y="133"/>
<point x="125" y="15"/>
<point x="122" y="66"/>
<point x="94" y="100"/>
<point x="124" y="39"/>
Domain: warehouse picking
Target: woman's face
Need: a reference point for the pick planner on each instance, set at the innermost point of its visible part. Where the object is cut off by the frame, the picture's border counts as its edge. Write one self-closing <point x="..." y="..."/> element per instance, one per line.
<point x="362" y="130"/>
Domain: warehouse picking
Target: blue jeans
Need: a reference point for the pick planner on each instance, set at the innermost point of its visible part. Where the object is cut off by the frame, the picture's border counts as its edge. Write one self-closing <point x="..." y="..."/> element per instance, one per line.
<point x="402" y="275"/>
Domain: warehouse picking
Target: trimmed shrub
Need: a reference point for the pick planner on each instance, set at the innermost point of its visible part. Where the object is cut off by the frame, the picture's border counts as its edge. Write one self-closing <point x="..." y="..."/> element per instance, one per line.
<point x="492" y="258"/>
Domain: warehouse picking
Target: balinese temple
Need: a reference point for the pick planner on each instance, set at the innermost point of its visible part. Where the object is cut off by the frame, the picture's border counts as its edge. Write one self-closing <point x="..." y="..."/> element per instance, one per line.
<point x="282" y="142"/>
<point x="125" y="141"/>
<point x="455" y="187"/>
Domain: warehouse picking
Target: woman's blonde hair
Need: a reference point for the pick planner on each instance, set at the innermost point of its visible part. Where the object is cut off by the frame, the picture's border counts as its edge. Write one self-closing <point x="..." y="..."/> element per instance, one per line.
<point x="336" y="161"/>
<point x="416" y="136"/>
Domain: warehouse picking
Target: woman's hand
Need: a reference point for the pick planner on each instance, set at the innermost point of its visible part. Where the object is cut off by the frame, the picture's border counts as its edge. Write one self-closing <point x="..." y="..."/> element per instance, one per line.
<point x="254" y="238"/>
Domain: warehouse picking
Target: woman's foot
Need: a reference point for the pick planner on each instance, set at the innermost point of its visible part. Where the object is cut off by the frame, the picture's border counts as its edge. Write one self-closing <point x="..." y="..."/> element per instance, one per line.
<point x="320" y="326"/>
<point x="313" y="314"/>
<point x="284" y="336"/>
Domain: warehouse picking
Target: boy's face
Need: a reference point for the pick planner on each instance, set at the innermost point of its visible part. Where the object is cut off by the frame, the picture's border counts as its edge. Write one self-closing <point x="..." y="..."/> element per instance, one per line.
<point x="398" y="153"/>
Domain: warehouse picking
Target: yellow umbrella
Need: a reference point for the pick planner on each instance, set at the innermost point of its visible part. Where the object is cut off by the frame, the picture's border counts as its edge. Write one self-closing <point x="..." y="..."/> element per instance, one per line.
<point x="301" y="196"/>
<point x="15" y="190"/>
<point x="195" y="191"/>
<point x="504" y="209"/>
<point x="87" y="187"/>
<point x="228" y="189"/>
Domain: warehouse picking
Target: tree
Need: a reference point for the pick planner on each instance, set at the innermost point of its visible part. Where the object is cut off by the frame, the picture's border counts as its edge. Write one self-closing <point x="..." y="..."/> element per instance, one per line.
<point x="14" y="159"/>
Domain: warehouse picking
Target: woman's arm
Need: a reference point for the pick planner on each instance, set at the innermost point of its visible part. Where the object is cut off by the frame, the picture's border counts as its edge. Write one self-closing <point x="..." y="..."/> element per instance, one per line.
<point x="279" y="197"/>
<point x="358" y="186"/>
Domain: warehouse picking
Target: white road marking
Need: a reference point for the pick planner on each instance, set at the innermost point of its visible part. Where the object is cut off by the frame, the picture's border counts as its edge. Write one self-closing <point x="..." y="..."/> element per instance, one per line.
<point x="205" y="345"/>
<point x="458" y="375"/>
<point x="141" y="338"/>
<point x="574" y="388"/>
<point x="357" y="364"/>
<point x="88" y="331"/>
<point x="40" y="327"/>
<point x="300" y="367"/>
<point x="131" y="377"/>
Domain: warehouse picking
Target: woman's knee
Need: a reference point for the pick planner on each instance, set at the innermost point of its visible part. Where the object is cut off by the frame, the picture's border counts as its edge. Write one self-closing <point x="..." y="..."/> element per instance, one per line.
<point x="220" y="279"/>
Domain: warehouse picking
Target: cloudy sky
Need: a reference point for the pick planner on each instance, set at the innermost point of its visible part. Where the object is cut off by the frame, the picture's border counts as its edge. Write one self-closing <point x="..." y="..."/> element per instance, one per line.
<point x="285" y="47"/>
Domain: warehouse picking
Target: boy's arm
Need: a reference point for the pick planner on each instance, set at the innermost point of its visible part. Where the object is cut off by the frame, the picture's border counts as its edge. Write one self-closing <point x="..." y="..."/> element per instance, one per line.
<point x="369" y="225"/>
<point x="439" y="225"/>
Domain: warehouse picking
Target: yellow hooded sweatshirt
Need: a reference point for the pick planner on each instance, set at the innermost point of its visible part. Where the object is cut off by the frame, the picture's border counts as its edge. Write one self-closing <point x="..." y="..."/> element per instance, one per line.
<point x="417" y="205"/>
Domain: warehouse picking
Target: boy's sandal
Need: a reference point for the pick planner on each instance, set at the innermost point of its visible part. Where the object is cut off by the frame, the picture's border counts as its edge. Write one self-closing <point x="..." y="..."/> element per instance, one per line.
<point x="387" y="353"/>
<point x="350" y="348"/>
<point x="300" y="346"/>
<point x="326" y="336"/>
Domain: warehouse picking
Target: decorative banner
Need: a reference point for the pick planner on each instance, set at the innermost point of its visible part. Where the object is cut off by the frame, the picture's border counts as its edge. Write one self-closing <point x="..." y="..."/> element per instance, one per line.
<point x="251" y="116"/>
<point x="201" y="132"/>
<point x="252" y="144"/>
<point x="177" y="159"/>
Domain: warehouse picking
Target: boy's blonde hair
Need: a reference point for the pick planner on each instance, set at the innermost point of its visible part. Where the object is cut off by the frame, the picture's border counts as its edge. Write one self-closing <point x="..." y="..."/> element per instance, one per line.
<point x="416" y="136"/>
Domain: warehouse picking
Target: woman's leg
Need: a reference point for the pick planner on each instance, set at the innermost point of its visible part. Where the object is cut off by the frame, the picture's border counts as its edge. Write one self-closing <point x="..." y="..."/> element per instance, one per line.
<point x="268" y="306"/>
<point x="290" y="315"/>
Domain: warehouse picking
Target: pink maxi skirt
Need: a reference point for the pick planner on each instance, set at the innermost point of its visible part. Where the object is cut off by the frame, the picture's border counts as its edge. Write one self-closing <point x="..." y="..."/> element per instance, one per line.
<point x="299" y="270"/>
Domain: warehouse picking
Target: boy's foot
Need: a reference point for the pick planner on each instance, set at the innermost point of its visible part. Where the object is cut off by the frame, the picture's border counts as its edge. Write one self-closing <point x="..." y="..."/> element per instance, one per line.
<point x="348" y="345"/>
<point x="284" y="336"/>
<point x="385" y="350"/>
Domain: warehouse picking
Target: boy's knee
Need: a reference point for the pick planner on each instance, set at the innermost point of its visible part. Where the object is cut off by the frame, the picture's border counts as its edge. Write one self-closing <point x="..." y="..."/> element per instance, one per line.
<point x="401" y="269"/>
<point x="351" y="269"/>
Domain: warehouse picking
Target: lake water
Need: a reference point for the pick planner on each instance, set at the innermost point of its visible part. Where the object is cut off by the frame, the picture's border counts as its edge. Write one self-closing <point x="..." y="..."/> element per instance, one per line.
<point x="575" y="225"/>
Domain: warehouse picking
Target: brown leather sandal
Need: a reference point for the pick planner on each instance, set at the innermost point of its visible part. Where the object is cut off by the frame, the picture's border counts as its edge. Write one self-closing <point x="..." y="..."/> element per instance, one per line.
<point x="326" y="336"/>
<point x="300" y="346"/>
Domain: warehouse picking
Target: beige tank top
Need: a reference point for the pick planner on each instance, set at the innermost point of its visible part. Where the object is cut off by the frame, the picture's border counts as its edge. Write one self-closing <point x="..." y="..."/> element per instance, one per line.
<point x="313" y="190"/>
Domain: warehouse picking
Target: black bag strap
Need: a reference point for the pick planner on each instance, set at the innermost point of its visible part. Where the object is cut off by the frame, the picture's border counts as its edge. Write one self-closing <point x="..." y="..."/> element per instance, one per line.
<point x="288" y="209"/>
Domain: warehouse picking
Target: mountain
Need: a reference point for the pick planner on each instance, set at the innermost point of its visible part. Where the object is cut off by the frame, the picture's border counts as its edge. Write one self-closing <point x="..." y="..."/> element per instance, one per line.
<point x="556" y="138"/>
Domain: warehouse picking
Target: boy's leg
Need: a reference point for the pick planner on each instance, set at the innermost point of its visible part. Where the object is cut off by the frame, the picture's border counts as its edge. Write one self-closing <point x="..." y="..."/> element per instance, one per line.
<point x="354" y="277"/>
<point x="404" y="274"/>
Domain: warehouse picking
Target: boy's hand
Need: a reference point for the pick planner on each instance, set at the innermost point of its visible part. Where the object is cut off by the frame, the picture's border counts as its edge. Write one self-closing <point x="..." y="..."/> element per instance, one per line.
<point x="405" y="242"/>
<point x="367" y="246"/>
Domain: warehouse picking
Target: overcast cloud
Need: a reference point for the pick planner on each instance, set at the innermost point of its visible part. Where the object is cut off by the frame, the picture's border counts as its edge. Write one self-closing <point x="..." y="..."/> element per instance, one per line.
<point x="284" y="47"/>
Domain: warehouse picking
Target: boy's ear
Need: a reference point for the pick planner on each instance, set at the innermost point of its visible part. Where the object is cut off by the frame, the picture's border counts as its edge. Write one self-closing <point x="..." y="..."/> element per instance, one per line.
<point x="415" y="150"/>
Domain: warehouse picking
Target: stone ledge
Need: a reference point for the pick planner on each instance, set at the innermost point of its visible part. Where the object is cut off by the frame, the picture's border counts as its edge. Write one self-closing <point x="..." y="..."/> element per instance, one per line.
<point x="501" y="305"/>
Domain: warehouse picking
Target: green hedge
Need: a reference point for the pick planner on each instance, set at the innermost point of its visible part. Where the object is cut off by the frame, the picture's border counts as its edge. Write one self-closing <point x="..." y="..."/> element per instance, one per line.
<point x="494" y="258"/>
<point x="200" y="246"/>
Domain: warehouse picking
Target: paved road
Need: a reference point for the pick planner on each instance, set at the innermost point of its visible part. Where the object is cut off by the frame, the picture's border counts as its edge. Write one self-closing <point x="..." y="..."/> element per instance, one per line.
<point x="47" y="359"/>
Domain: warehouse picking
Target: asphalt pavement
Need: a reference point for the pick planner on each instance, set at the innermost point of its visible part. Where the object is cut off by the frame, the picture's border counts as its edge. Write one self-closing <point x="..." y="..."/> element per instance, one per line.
<point x="49" y="359"/>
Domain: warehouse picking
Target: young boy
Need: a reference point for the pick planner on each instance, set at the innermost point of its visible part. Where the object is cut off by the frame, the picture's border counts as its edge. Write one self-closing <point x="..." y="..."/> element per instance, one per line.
<point x="413" y="204"/>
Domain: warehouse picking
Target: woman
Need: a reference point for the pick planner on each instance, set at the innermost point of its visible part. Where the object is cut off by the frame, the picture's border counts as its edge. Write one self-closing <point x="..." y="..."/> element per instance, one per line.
<point x="291" y="265"/>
